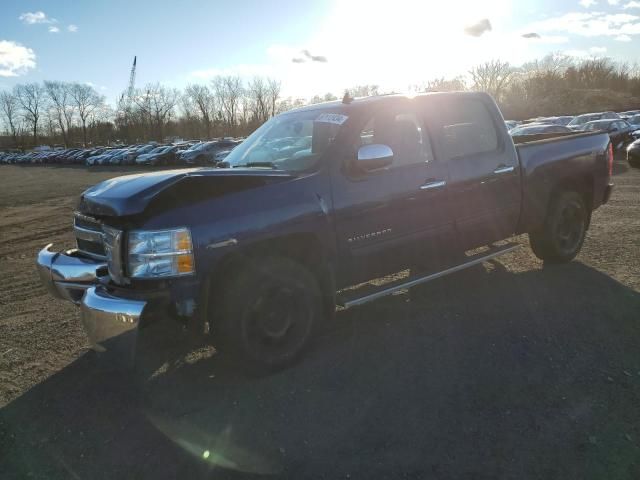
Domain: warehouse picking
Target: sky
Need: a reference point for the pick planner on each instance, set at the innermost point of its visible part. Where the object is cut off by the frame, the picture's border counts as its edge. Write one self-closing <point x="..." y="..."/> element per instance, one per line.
<point x="312" y="47"/>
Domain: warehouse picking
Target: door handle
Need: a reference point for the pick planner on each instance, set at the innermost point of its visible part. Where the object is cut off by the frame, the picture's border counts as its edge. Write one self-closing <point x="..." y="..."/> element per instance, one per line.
<point x="433" y="184"/>
<point x="503" y="169"/>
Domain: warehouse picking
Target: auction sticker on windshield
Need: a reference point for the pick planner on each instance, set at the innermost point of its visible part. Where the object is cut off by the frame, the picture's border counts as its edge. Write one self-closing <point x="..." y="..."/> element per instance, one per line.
<point x="335" y="118"/>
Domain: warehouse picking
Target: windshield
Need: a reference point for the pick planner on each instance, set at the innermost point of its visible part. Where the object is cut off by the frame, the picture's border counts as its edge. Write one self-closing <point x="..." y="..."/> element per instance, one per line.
<point x="292" y="141"/>
<point x="158" y="150"/>
<point x="597" y="126"/>
<point x="529" y="130"/>
<point x="584" y="119"/>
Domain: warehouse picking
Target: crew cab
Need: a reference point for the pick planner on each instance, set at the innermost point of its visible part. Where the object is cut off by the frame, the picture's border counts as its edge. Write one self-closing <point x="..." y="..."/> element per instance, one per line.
<point x="259" y="253"/>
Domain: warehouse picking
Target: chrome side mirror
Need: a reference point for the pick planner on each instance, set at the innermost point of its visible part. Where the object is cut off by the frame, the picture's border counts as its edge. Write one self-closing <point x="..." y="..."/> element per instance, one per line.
<point x="374" y="156"/>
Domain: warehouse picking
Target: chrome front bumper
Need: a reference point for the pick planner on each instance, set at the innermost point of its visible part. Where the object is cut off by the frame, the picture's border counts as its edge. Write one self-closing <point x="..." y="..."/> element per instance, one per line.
<point x="106" y="318"/>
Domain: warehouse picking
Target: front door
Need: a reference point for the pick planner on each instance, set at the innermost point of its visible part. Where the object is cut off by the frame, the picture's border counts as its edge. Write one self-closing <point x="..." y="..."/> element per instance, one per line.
<point x="387" y="218"/>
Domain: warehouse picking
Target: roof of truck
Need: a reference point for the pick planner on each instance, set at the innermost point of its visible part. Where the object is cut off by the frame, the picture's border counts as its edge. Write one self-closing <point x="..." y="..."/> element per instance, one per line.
<point x="359" y="101"/>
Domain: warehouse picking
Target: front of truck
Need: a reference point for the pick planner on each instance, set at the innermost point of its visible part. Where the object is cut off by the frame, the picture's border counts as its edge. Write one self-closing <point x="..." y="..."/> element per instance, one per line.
<point x="147" y="243"/>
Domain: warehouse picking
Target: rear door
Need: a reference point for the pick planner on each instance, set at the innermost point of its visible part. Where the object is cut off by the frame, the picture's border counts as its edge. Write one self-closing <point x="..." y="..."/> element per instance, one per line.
<point x="484" y="177"/>
<point x="388" y="218"/>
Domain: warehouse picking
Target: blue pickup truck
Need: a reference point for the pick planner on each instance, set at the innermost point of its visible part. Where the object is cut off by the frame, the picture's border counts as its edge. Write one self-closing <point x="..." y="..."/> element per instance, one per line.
<point x="258" y="254"/>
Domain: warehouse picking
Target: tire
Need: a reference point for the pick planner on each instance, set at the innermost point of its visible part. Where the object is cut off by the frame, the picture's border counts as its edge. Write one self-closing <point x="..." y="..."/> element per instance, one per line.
<point x="269" y="313"/>
<point x="564" y="229"/>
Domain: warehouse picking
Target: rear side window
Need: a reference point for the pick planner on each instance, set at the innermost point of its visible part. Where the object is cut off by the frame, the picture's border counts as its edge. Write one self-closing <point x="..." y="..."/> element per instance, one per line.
<point x="468" y="129"/>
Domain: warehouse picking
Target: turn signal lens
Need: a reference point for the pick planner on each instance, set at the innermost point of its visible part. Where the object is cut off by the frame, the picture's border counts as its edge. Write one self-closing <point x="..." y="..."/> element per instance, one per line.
<point x="183" y="240"/>
<point x="185" y="263"/>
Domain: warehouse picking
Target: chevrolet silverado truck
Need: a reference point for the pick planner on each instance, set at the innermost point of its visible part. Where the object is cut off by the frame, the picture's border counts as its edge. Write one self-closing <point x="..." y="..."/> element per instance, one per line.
<point x="258" y="254"/>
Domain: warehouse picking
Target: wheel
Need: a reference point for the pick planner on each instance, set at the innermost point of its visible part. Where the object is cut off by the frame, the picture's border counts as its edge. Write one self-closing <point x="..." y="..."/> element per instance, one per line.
<point x="268" y="315"/>
<point x="561" y="237"/>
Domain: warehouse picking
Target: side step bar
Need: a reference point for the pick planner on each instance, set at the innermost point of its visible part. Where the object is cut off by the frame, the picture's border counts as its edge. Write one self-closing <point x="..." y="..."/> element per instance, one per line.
<point x="423" y="278"/>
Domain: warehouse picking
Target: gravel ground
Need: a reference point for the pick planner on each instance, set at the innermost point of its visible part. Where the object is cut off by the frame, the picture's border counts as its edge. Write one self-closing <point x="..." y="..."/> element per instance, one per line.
<point x="507" y="370"/>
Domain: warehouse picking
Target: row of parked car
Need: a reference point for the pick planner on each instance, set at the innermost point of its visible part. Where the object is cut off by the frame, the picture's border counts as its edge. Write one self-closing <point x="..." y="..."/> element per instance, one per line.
<point x="183" y="153"/>
<point x="623" y="128"/>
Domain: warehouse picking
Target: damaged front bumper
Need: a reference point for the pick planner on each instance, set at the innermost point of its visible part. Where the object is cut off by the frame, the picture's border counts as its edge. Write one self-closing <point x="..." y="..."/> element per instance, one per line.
<point x="81" y="280"/>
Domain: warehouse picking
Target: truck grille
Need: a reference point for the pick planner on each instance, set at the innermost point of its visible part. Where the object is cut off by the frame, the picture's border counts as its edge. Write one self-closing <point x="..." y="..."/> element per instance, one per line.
<point x="101" y="242"/>
<point x="88" y="232"/>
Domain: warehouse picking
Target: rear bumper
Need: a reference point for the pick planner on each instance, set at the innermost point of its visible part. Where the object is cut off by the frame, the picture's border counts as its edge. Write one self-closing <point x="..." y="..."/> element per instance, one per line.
<point x="80" y="280"/>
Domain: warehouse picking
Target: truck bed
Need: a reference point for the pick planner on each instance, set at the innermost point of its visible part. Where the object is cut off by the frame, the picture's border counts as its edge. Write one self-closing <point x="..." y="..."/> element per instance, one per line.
<point x="580" y="157"/>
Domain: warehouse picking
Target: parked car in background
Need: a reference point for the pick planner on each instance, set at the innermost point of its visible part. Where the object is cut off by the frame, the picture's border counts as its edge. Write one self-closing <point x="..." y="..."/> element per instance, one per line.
<point x="195" y="154"/>
<point x="628" y="114"/>
<point x="634" y="121"/>
<point x="581" y="120"/>
<point x="163" y="155"/>
<point x="117" y="158"/>
<point x="633" y="153"/>
<point x="619" y="131"/>
<point x="538" y="128"/>
<point x="130" y="157"/>
<point x="205" y="152"/>
<point x="562" y="120"/>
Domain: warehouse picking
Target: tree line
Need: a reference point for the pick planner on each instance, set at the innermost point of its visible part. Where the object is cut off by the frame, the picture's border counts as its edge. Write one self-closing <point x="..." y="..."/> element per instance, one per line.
<point x="73" y="114"/>
<point x="556" y="84"/>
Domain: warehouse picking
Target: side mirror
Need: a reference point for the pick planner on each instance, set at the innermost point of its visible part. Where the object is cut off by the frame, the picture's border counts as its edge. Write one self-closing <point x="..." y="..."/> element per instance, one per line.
<point x="614" y="129"/>
<point x="374" y="156"/>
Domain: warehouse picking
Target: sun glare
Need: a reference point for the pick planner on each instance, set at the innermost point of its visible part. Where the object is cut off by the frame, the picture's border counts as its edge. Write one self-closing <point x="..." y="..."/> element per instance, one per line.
<point x="397" y="44"/>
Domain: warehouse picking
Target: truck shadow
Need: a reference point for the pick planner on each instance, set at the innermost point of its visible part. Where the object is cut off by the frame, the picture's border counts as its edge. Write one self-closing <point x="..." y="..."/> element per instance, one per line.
<point x="484" y="374"/>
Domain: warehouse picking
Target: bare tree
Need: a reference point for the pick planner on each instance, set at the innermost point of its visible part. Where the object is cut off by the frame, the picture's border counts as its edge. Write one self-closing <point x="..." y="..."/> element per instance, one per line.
<point x="61" y="103"/>
<point x="86" y="100"/>
<point x="492" y="77"/>
<point x="31" y="97"/>
<point x="203" y="102"/>
<point x="228" y="91"/>
<point x="260" y="105"/>
<point x="441" y="85"/>
<point x="363" y="91"/>
<point x="9" y="110"/>
<point x="274" y="87"/>
<point x="156" y="103"/>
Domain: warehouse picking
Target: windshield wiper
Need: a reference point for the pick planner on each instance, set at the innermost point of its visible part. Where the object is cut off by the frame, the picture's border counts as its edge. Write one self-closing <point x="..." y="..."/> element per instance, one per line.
<point x="258" y="165"/>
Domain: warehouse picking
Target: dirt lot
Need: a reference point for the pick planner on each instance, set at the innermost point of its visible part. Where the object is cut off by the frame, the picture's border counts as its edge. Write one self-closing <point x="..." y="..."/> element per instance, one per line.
<point x="507" y="370"/>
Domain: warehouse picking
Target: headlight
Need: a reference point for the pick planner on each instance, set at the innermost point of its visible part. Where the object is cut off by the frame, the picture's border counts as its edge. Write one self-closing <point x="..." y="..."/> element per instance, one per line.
<point x="160" y="253"/>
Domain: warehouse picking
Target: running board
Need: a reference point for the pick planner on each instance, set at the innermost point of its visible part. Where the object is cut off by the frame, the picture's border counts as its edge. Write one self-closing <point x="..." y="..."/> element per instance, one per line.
<point x="421" y="278"/>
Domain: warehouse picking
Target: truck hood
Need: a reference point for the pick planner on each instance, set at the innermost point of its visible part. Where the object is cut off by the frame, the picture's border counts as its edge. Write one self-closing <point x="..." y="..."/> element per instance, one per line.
<point x="133" y="194"/>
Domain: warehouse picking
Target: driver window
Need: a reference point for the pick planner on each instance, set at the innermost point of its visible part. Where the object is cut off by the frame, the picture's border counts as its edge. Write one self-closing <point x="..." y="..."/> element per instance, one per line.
<point x="403" y="132"/>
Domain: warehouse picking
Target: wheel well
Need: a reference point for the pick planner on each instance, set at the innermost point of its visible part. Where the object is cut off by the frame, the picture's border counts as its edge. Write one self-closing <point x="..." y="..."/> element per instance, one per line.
<point x="581" y="184"/>
<point x="306" y="249"/>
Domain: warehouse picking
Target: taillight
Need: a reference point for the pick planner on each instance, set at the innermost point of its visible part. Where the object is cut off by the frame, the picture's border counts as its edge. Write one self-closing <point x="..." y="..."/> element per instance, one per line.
<point x="610" y="159"/>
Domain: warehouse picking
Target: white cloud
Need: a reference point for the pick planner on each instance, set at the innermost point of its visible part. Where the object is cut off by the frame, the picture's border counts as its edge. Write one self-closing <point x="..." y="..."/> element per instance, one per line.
<point x="586" y="53"/>
<point x="589" y="24"/>
<point x="623" y="38"/>
<point x="15" y="59"/>
<point x="72" y="28"/>
<point x="632" y="4"/>
<point x="31" y="18"/>
<point x="587" y="3"/>
<point x="613" y="2"/>
<point x="54" y="29"/>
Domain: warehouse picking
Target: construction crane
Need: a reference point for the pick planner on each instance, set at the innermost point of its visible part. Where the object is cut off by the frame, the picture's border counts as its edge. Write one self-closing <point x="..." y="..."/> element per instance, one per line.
<point x="132" y="81"/>
<point x="126" y="99"/>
